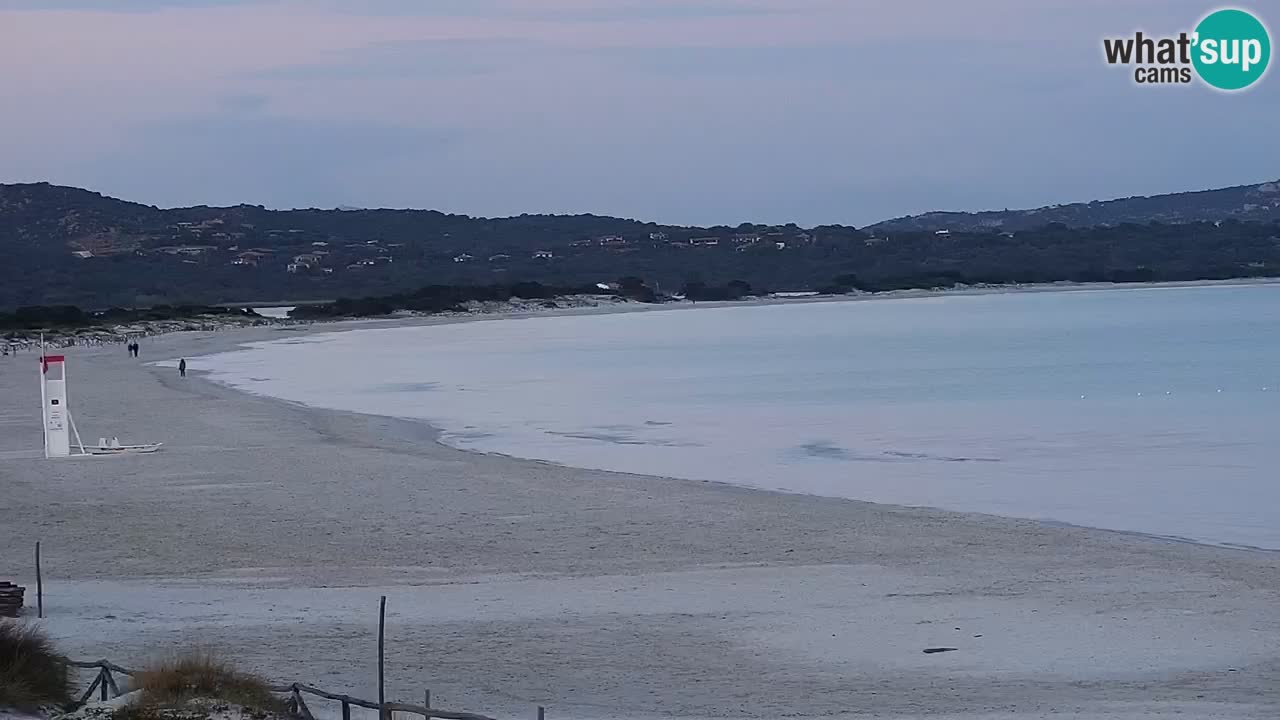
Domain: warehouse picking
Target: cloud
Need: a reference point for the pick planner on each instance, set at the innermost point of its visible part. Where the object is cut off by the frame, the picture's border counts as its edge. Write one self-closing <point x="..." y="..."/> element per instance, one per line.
<point x="412" y="59"/>
<point x="585" y="11"/>
<point x="244" y="102"/>
<point x="118" y="6"/>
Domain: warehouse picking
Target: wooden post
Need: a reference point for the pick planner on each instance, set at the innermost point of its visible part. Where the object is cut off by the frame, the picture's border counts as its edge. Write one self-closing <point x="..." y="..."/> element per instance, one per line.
<point x="346" y="710"/>
<point x="103" y="674"/>
<point x="89" y="693"/>
<point x="542" y="713"/>
<point x="39" y="585"/>
<point x="111" y="682"/>
<point x="382" y="680"/>
<point x="302" y="709"/>
<point x="426" y="702"/>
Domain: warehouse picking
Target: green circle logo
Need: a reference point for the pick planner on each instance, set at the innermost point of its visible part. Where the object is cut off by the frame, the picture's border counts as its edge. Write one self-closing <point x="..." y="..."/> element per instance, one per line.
<point x="1232" y="49"/>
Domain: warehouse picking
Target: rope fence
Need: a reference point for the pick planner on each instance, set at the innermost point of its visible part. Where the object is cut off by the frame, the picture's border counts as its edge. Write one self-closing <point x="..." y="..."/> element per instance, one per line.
<point x="105" y="686"/>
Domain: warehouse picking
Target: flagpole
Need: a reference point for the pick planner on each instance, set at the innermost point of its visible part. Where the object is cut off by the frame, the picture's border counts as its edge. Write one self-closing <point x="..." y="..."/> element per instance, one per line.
<point x="44" y="400"/>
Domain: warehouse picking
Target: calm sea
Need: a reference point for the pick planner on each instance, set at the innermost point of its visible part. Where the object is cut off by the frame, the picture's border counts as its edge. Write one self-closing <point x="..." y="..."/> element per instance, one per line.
<point x="1154" y="410"/>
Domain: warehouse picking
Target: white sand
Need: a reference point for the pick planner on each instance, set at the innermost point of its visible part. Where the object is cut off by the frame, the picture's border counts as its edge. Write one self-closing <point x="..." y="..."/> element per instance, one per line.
<point x="268" y="531"/>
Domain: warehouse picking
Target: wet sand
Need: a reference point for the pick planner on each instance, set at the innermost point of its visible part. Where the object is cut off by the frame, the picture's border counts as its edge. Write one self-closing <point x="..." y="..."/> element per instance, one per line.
<point x="268" y="531"/>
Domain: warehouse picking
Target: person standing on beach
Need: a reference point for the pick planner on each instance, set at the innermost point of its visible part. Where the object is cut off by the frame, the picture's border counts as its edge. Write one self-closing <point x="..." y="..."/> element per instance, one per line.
<point x="182" y="367"/>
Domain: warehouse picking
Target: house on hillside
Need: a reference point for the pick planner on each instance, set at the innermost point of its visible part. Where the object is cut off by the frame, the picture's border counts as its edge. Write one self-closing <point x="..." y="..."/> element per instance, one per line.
<point x="249" y="258"/>
<point x="188" y="250"/>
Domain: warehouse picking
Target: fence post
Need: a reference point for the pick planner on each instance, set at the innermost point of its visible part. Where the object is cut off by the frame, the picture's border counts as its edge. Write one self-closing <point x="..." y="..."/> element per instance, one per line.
<point x="426" y="702"/>
<point x="542" y="713"/>
<point x="39" y="585"/>
<point x="346" y="710"/>
<point x="111" y="682"/>
<point x="103" y="674"/>
<point x="302" y="709"/>
<point x="382" y="683"/>
<point x="89" y="693"/>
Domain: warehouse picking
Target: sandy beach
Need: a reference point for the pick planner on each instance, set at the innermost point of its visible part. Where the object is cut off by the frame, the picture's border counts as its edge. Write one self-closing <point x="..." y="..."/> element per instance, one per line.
<point x="267" y="531"/>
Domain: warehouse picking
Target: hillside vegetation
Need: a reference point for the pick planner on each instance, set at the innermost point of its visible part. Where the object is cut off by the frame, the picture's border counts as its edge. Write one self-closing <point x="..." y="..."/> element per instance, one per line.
<point x="67" y="246"/>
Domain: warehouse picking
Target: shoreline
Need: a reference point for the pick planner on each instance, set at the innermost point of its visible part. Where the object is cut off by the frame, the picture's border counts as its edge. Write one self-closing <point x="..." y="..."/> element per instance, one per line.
<point x="267" y="530"/>
<point x="100" y="335"/>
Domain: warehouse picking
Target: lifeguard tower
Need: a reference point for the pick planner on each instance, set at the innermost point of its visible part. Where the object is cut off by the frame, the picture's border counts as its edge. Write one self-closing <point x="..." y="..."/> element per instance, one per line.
<point x="53" y="399"/>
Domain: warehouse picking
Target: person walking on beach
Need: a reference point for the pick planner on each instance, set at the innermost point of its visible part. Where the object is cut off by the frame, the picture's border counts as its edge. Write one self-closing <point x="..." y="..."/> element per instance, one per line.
<point x="182" y="367"/>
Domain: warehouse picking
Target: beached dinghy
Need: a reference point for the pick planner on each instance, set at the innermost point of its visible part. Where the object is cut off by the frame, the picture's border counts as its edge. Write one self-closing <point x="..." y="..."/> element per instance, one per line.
<point x="115" y="448"/>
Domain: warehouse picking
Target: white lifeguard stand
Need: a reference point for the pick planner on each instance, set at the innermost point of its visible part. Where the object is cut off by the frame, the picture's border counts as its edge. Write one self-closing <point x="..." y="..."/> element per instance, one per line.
<point x="53" y="400"/>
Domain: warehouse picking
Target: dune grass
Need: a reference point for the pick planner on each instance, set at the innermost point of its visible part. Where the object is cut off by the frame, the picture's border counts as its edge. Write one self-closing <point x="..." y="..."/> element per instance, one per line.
<point x="31" y="670"/>
<point x="196" y="676"/>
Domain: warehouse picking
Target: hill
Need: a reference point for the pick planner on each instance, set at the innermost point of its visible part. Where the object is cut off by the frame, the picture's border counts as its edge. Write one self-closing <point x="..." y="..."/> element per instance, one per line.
<point x="68" y="246"/>
<point x="1259" y="203"/>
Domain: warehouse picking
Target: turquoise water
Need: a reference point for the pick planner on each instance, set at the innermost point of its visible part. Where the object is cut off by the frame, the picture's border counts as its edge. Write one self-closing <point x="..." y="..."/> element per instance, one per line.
<point x="1154" y="410"/>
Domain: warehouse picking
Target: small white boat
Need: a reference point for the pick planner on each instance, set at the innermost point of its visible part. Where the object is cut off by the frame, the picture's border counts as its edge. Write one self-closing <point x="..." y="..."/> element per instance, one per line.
<point x="113" y="447"/>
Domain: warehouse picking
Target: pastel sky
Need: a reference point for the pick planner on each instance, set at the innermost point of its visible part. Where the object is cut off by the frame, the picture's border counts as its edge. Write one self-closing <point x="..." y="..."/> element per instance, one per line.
<point x="679" y="111"/>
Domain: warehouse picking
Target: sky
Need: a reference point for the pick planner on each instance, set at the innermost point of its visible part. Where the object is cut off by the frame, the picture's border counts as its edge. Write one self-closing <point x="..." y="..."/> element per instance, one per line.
<point x="673" y="111"/>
